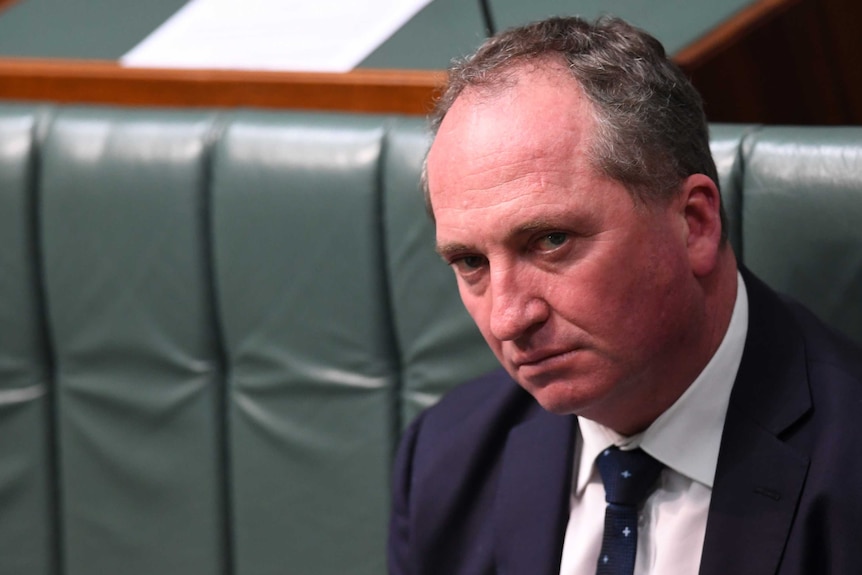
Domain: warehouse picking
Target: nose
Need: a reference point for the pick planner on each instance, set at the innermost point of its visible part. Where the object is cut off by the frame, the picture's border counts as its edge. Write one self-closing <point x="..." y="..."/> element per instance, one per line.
<point x="516" y="304"/>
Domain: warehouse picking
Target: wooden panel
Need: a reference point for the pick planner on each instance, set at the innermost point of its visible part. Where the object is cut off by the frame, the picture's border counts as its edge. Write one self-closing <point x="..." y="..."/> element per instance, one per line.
<point x="777" y="61"/>
<point x="676" y="23"/>
<point x="797" y="68"/>
<point x="730" y="32"/>
<point x="385" y="91"/>
<point x="841" y="20"/>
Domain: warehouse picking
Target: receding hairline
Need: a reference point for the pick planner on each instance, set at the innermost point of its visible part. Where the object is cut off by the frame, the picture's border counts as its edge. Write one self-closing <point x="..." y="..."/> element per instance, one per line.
<point x="500" y="79"/>
<point x="651" y="130"/>
<point x="508" y="77"/>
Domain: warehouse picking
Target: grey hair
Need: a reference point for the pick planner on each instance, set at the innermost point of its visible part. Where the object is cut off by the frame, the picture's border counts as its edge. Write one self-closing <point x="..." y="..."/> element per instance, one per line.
<point x="651" y="133"/>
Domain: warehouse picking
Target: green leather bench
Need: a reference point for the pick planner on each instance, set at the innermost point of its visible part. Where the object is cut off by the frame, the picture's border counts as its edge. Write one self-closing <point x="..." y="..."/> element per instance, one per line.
<point x="213" y="325"/>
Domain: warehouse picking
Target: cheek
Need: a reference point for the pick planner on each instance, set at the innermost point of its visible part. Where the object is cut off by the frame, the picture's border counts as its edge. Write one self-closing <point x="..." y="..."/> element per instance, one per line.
<point x="628" y="299"/>
<point x="480" y="311"/>
<point x="594" y="294"/>
<point x="654" y="307"/>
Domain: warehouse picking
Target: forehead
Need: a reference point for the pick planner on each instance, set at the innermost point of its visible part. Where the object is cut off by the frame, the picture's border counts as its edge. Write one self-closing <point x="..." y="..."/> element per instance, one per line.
<point x="507" y="165"/>
<point x="536" y="127"/>
<point x="531" y="96"/>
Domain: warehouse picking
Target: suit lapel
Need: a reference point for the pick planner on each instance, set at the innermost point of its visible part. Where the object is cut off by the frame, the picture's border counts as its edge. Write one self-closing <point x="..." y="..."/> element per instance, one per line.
<point x="759" y="478"/>
<point x="532" y="504"/>
<point x="754" y="497"/>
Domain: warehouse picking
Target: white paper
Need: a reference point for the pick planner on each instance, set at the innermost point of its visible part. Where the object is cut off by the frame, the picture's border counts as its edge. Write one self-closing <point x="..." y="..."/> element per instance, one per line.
<point x="289" y="35"/>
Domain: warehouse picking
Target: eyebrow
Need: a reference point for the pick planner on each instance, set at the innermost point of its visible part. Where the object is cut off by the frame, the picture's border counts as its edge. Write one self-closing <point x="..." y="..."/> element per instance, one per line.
<point x="449" y="249"/>
<point x="533" y="226"/>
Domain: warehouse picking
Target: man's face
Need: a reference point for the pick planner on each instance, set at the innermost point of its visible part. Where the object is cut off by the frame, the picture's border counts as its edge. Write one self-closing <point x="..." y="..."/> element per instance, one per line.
<point x="585" y="297"/>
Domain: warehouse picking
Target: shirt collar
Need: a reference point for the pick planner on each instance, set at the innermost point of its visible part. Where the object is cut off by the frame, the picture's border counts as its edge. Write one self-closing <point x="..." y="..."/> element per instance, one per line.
<point x="686" y="437"/>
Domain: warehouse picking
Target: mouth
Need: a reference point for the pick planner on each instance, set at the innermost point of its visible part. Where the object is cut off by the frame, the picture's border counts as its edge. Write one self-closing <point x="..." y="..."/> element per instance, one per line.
<point x="544" y="359"/>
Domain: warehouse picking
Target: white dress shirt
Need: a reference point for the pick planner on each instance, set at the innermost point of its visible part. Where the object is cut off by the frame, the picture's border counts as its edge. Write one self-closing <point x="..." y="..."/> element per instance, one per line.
<point x="685" y="438"/>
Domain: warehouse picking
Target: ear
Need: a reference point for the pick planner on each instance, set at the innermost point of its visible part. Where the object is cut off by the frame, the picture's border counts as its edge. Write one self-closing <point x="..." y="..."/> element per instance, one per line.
<point x="701" y="205"/>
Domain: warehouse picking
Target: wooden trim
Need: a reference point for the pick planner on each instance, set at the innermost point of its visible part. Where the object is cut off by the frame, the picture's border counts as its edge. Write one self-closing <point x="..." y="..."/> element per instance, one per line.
<point x="101" y="82"/>
<point x="730" y="31"/>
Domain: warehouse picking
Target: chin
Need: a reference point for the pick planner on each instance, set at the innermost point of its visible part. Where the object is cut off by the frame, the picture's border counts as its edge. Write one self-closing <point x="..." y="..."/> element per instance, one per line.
<point x="561" y="398"/>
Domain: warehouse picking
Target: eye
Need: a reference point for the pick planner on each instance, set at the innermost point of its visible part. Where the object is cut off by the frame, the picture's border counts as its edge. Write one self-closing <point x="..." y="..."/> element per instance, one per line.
<point x="551" y="241"/>
<point x="467" y="264"/>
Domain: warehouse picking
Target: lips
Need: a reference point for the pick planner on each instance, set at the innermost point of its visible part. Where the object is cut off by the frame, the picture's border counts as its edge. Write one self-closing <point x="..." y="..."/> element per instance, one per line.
<point x="541" y="357"/>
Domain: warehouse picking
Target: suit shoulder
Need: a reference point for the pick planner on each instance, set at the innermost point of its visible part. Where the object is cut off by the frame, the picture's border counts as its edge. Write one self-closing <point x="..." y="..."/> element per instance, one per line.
<point x="486" y="402"/>
<point x="471" y="423"/>
<point x="829" y="352"/>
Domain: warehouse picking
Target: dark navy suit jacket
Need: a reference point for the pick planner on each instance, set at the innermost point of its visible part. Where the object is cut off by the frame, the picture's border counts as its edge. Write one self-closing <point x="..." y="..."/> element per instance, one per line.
<point x="482" y="480"/>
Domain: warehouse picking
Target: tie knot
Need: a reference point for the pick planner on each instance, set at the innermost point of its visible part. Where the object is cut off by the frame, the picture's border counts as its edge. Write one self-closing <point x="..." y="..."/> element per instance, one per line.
<point x="628" y="475"/>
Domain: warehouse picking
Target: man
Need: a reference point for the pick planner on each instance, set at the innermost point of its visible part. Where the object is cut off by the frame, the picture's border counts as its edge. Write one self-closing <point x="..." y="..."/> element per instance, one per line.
<point x="575" y="198"/>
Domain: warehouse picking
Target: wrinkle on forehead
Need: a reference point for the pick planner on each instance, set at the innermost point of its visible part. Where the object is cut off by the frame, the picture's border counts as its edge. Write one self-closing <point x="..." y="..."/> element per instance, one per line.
<point x="530" y="136"/>
<point x="542" y="103"/>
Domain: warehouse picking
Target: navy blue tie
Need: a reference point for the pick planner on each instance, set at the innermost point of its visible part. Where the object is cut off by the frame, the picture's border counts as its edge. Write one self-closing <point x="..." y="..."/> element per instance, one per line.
<point x="629" y="477"/>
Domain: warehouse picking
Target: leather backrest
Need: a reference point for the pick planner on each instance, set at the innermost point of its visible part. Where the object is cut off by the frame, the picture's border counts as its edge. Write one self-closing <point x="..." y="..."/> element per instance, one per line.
<point x="214" y="325"/>
<point x="802" y="218"/>
<point x="137" y="376"/>
<point x="26" y="491"/>
<point x="309" y="352"/>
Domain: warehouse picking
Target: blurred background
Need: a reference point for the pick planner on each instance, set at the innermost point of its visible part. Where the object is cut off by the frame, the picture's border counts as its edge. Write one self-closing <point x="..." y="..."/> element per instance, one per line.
<point x="766" y="61"/>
